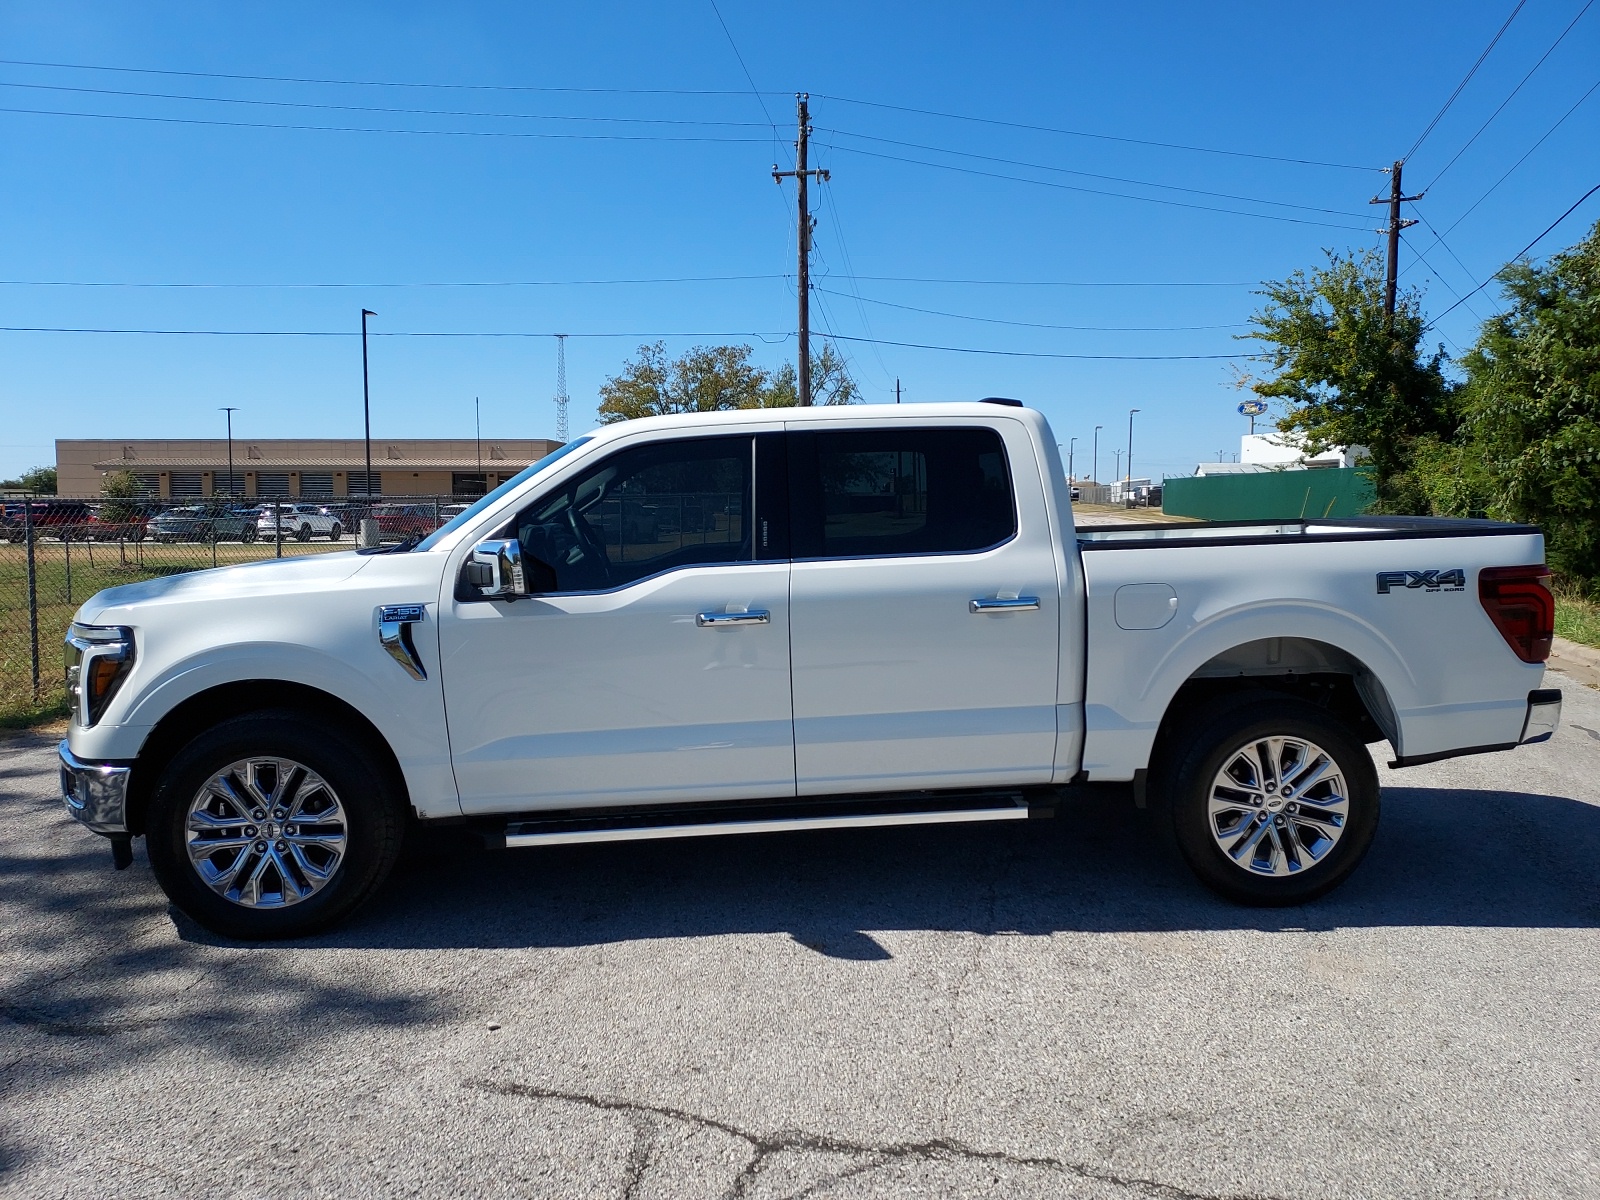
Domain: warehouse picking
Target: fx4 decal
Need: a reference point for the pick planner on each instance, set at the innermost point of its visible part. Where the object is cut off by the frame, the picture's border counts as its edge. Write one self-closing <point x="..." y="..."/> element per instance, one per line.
<point x="1433" y="581"/>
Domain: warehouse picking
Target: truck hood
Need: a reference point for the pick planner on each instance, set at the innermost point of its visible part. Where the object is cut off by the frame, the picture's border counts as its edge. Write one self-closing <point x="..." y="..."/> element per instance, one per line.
<point x="281" y="576"/>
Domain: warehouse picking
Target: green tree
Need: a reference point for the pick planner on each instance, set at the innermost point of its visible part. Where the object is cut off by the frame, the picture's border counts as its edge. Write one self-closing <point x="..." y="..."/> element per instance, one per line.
<point x="1532" y="401"/>
<point x="121" y="490"/>
<point x="714" y="379"/>
<point x="831" y="382"/>
<point x="1345" y="376"/>
<point x="41" y="481"/>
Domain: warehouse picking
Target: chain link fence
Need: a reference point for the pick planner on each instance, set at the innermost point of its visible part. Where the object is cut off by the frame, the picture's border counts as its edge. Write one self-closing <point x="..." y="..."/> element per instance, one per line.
<point x="56" y="552"/>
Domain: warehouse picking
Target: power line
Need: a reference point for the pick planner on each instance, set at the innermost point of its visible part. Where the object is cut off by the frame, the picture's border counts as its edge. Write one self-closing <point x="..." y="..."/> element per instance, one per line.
<point x="466" y="87"/>
<point x="371" y="108"/>
<point x="1058" y="282"/>
<point x="482" y="283"/>
<point x="1460" y="87"/>
<point x="475" y="133"/>
<point x="1104" y="137"/>
<point x="771" y="337"/>
<point x="1012" y="162"/>
<point x="535" y="283"/>
<point x="1041" y="353"/>
<point x="1529" y="151"/>
<point x="1516" y="256"/>
<point x="933" y="312"/>
<point x="1070" y="187"/>
<point x="613" y="91"/>
<point x="1512" y="96"/>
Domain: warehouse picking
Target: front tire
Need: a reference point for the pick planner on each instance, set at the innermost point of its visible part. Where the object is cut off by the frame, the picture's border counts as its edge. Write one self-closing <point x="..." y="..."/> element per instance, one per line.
<point x="336" y="534"/>
<point x="272" y="825"/>
<point x="1273" y="802"/>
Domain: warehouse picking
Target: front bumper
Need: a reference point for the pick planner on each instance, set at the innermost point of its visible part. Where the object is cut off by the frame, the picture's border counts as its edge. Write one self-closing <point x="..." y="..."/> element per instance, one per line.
<point x="95" y="793"/>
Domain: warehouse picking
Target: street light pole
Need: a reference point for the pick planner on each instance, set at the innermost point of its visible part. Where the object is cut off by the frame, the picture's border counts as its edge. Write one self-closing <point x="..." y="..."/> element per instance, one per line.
<point x="1094" y="466"/>
<point x="230" y="410"/>
<point x="1072" y="449"/>
<point x="366" y="401"/>
<point x="1131" y="411"/>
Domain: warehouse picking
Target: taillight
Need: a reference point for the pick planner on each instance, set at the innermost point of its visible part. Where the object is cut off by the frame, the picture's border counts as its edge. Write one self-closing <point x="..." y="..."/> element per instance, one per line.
<point x="1519" y="602"/>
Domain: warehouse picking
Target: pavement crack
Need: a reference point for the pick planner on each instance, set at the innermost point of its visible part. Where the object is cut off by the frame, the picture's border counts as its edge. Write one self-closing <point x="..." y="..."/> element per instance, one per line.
<point x="765" y="1146"/>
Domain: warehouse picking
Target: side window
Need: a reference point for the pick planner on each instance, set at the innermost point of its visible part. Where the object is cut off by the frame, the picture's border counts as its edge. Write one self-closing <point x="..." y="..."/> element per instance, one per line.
<point x="899" y="491"/>
<point x="645" y="510"/>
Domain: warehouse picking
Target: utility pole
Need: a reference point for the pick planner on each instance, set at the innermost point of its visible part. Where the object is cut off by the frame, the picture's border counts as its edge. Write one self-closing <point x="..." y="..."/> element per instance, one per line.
<point x="230" y="411"/>
<point x="897" y="389"/>
<point x="1131" y="411"/>
<point x="366" y="401"/>
<point x="1396" y="223"/>
<point x="1072" y="447"/>
<point x="1116" y="471"/>
<point x="1094" y="466"/>
<point x="801" y="175"/>
<point x="561" y="388"/>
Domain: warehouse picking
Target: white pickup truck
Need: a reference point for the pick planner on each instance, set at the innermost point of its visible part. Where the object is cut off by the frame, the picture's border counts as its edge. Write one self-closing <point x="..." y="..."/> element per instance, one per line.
<point x="790" y="619"/>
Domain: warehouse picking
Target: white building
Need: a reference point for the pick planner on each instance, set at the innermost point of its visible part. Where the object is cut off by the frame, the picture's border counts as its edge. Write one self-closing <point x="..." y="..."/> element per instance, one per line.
<point x="1281" y="452"/>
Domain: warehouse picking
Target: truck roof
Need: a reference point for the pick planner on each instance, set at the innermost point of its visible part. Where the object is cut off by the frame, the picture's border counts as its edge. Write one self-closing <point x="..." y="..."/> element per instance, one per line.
<point x="821" y="413"/>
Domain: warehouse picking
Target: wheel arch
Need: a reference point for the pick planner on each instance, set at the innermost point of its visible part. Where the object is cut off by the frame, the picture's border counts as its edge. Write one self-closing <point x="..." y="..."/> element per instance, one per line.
<point x="1321" y="673"/>
<point x="199" y="712"/>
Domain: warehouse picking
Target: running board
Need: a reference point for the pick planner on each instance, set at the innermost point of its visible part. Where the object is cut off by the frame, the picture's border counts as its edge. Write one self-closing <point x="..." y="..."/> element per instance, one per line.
<point x="1012" y="806"/>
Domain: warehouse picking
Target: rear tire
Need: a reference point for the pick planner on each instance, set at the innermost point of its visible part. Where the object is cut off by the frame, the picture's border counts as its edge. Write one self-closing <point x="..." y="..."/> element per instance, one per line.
<point x="303" y="534"/>
<point x="309" y="811"/>
<point x="248" y="534"/>
<point x="1272" y="801"/>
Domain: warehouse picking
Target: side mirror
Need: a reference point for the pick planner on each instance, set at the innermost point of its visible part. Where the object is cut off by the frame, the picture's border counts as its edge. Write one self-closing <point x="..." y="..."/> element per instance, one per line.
<point x="496" y="570"/>
<point x="500" y="571"/>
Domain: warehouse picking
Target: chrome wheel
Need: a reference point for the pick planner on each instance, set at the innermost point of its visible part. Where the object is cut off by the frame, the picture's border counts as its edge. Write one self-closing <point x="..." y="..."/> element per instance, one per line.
<point x="266" y="833"/>
<point x="1278" y="805"/>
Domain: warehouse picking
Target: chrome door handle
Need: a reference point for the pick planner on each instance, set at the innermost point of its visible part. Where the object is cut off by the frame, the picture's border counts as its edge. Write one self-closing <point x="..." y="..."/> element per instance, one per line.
<point x="1015" y="604"/>
<point x="754" y="616"/>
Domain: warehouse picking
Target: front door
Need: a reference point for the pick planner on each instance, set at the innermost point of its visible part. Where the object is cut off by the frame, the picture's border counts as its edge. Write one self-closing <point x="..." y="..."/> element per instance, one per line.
<point x="925" y="609"/>
<point x="656" y="669"/>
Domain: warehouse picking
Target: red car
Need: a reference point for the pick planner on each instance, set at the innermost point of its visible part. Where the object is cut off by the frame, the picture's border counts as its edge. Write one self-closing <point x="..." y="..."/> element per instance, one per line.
<point x="397" y="522"/>
<point x="53" y="518"/>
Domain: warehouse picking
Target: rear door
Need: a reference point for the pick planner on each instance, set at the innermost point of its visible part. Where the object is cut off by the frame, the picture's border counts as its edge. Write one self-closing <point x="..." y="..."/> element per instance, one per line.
<point x="925" y="607"/>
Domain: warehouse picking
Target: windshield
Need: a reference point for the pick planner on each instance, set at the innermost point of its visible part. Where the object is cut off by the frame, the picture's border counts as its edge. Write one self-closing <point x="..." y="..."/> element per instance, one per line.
<point x="516" y="481"/>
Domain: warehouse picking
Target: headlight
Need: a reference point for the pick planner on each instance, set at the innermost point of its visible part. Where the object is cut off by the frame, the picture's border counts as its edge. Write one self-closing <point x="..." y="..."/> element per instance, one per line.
<point x="98" y="658"/>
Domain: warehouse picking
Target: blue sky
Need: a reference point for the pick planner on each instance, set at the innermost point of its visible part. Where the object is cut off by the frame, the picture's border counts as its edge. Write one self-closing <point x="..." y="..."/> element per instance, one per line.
<point x="677" y="186"/>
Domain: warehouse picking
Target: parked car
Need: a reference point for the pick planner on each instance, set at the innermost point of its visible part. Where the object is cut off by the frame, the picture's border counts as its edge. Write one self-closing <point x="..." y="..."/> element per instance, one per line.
<point x="397" y="522"/>
<point x="960" y="653"/>
<point x="299" y="521"/>
<point x="204" y="523"/>
<point x="53" y="518"/>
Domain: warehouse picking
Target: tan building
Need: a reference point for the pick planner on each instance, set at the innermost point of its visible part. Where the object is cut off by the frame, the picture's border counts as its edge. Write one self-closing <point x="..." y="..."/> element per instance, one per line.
<point x="196" y="467"/>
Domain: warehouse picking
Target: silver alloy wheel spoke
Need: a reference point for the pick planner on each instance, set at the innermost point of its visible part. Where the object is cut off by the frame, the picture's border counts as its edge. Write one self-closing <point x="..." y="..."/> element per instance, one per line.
<point x="1277" y="806"/>
<point x="266" y="833"/>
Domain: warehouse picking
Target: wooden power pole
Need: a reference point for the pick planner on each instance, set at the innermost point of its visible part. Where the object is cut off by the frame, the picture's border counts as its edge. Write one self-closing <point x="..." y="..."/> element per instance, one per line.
<point x="800" y="175"/>
<point x="1396" y="223"/>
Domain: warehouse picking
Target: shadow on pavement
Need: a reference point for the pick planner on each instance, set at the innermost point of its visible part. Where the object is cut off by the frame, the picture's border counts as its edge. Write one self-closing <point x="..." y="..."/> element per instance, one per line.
<point x="1442" y="857"/>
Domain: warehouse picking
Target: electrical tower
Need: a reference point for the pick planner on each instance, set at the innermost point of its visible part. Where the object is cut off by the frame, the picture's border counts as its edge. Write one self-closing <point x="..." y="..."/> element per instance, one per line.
<point x="807" y="223"/>
<point x="561" y="388"/>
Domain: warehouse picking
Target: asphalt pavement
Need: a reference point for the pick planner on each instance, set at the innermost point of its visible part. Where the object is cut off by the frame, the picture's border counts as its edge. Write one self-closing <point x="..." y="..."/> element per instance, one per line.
<point x="1049" y="1008"/>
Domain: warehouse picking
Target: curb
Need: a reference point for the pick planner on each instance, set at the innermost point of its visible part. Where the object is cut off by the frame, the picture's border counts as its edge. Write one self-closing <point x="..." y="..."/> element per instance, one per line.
<point x="1581" y="662"/>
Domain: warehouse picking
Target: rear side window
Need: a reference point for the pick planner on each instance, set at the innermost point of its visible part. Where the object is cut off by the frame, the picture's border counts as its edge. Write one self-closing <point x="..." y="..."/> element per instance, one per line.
<point x="866" y="493"/>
